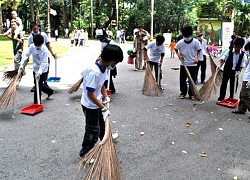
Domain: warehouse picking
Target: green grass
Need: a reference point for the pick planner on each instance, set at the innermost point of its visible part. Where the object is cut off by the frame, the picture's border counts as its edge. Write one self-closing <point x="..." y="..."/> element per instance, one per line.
<point x="6" y="50"/>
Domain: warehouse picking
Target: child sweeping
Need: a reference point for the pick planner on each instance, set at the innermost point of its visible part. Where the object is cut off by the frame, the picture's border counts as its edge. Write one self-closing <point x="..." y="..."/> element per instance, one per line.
<point x="244" y="104"/>
<point x="94" y="96"/>
<point x="234" y="61"/>
<point x="39" y="54"/>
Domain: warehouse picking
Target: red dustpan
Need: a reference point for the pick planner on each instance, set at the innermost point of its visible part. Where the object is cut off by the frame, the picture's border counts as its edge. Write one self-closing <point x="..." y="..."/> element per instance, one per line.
<point x="33" y="108"/>
<point x="231" y="102"/>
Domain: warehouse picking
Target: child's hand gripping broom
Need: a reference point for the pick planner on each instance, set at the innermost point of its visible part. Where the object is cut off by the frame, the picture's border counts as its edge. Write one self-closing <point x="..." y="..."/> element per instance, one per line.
<point x="102" y="159"/>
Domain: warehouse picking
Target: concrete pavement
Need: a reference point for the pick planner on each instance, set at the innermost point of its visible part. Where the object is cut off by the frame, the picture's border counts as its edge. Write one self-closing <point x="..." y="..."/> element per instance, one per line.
<point x="176" y="132"/>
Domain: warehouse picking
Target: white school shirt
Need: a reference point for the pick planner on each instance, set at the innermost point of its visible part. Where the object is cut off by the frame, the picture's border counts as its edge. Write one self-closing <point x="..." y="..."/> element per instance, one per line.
<point x="93" y="80"/>
<point x="155" y="51"/>
<point x="235" y="59"/>
<point x="188" y="51"/>
<point x="203" y="49"/>
<point x="45" y="38"/>
<point x="39" y="56"/>
<point x="246" y="75"/>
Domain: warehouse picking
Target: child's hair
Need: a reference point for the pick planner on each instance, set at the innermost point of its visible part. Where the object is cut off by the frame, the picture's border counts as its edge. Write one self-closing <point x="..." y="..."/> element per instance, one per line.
<point x="233" y="37"/>
<point x="239" y="41"/>
<point x="112" y="53"/>
<point x="160" y="39"/>
<point x="38" y="40"/>
<point x="247" y="47"/>
<point x="187" y="31"/>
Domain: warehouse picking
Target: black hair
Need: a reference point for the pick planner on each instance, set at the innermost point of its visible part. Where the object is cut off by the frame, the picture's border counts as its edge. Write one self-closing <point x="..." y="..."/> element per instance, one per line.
<point x="32" y="24"/>
<point x="239" y="41"/>
<point x="187" y="31"/>
<point x="233" y="37"/>
<point x="160" y="39"/>
<point x="112" y="53"/>
<point x="38" y="40"/>
<point x="247" y="47"/>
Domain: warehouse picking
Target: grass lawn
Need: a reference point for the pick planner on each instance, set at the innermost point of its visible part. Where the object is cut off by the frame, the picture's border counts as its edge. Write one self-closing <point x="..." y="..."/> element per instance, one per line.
<point x="6" y="50"/>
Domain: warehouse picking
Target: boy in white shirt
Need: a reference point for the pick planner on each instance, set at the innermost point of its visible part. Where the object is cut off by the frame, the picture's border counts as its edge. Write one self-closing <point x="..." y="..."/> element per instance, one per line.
<point x="156" y="55"/>
<point x="94" y="96"/>
<point x="39" y="54"/>
<point x="188" y="51"/>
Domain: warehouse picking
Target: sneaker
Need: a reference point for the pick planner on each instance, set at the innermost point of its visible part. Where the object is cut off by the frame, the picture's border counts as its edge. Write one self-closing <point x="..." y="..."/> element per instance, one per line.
<point x="196" y="82"/>
<point x="115" y="136"/>
<point x="33" y="89"/>
<point x="218" y="102"/>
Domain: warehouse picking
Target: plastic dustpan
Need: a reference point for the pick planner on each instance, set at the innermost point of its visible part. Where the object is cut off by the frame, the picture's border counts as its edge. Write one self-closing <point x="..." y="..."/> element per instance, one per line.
<point x="54" y="79"/>
<point x="229" y="102"/>
<point x="33" y="108"/>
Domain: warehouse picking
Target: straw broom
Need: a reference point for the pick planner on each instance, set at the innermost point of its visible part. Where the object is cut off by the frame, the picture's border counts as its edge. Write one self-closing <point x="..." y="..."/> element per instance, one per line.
<point x="8" y="98"/>
<point x="150" y="87"/>
<point x="105" y="165"/>
<point x="9" y="75"/>
<point x="210" y="86"/>
<point x="192" y="85"/>
<point x="76" y="86"/>
<point x="219" y="76"/>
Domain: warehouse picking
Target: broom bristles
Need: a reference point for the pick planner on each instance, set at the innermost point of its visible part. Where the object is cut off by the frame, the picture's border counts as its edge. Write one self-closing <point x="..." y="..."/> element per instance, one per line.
<point x="9" y="98"/>
<point x="105" y="165"/>
<point x="76" y="86"/>
<point x="150" y="87"/>
<point x="207" y="89"/>
<point x="9" y="75"/>
<point x="192" y="85"/>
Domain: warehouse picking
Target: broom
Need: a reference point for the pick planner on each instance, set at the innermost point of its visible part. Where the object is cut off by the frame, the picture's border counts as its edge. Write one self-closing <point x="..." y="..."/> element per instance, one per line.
<point x="8" y="98"/>
<point x="192" y="85"/>
<point x="206" y="90"/>
<point x="105" y="165"/>
<point x="150" y="87"/>
<point x="219" y="76"/>
<point x="76" y="86"/>
<point x="9" y="75"/>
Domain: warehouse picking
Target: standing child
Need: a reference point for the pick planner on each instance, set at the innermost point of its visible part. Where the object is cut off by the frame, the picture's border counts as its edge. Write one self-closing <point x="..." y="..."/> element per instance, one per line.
<point x="188" y="50"/>
<point x="94" y="96"/>
<point x="244" y="104"/>
<point x="234" y="60"/>
<point x="172" y="50"/>
<point x="39" y="54"/>
<point x="155" y="59"/>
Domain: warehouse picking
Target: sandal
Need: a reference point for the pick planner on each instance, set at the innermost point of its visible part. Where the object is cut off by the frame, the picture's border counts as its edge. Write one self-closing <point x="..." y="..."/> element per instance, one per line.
<point x="181" y="97"/>
<point x="191" y="97"/>
<point x="238" y="112"/>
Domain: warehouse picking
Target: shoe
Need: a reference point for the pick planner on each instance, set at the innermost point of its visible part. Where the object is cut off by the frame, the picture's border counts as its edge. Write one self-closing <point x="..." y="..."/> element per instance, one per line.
<point x="191" y="97"/>
<point x="33" y="89"/>
<point x="218" y="102"/>
<point x="203" y="82"/>
<point x="196" y="82"/>
<point x="238" y="112"/>
<point x="115" y="136"/>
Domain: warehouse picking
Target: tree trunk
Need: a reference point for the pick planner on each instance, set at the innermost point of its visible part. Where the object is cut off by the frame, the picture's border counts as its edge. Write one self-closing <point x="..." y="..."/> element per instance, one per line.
<point x="32" y="15"/>
<point x="37" y="12"/>
<point x="65" y="16"/>
<point x="1" y="20"/>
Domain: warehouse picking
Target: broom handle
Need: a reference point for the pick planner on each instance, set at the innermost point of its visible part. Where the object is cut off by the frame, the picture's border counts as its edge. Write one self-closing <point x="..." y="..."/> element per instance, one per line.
<point x="55" y="65"/>
<point x="158" y="78"/>
<point x="108" y="79"/>
<point x="37" y="91"/>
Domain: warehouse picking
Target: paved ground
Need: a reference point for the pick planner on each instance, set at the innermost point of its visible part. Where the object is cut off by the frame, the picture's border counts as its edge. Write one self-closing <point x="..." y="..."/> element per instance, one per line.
<point x="46" y="146"/>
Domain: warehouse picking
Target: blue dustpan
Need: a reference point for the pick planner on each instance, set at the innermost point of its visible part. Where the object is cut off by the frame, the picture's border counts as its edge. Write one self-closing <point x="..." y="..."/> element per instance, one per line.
<point x="54" y="79"/>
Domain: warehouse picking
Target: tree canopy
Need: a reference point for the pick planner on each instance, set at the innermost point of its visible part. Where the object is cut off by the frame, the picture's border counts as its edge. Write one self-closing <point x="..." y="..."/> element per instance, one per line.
<point x="169" y="16"/>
